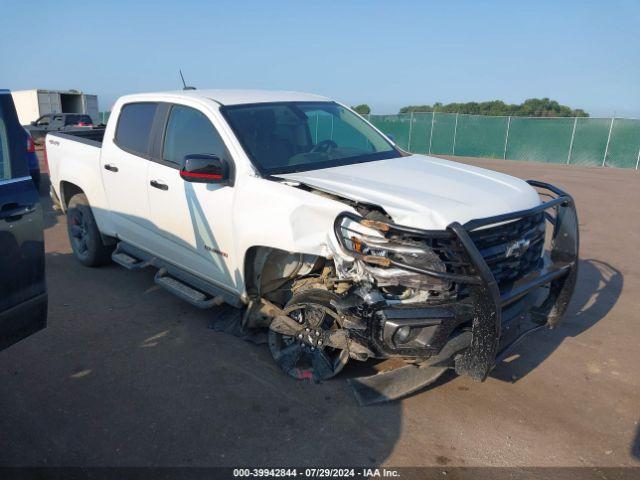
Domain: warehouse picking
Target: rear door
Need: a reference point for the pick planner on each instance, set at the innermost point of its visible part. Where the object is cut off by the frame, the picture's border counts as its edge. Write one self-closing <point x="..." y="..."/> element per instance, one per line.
<point x="125" y="160"/>
<point x="23" y="297"/>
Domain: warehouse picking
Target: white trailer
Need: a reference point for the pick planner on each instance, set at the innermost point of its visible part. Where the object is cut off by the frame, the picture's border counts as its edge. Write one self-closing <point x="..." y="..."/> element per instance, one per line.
<point x="32" y="104"/>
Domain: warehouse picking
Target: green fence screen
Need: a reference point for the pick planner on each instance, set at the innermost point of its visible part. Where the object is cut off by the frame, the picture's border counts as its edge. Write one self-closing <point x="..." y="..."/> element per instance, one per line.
<point x="420" y="132"/>
<point x="481" y="136"/>
<point x="576" y="141"/>
<point x="396" y="126"/>
<point x="590" y="141"/>
<point x="539" y="139"/>
<point x="623" y="146"/>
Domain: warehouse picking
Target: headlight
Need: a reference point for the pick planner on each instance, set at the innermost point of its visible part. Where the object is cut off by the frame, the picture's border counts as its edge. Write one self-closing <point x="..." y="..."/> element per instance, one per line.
<point x="391" y="258"/>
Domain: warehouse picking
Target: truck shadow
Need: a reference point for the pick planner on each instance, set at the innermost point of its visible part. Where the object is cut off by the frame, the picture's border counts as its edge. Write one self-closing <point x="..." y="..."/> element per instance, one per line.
<point x="163" y="388"/>
<point x="220" y="398"/>
<point x="244" y="403"/>
<point x="598" y="288"/>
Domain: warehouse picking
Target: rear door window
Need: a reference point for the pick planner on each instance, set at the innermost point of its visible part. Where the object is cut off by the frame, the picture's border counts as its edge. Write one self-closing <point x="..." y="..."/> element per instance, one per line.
<point x="134" y="127"/>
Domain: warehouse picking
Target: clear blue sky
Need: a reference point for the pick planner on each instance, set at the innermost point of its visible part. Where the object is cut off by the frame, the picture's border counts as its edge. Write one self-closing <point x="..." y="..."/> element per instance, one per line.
<point x="385" y="53"/>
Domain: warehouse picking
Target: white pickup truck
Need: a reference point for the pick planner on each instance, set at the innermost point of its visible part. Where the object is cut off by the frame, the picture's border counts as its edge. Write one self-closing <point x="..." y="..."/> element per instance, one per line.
<point x="295" y="208"/>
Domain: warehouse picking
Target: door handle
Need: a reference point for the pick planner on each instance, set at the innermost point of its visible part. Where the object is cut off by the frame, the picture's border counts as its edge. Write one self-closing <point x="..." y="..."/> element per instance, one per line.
<point x="159" y="185"/>
<point x="111" y="167"/>
<point x="13" y="211"/>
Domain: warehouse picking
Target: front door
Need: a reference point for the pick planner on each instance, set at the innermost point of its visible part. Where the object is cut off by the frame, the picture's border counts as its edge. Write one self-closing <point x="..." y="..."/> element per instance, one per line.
<point x="193" y="220"/>
<point x="23" y="296"/>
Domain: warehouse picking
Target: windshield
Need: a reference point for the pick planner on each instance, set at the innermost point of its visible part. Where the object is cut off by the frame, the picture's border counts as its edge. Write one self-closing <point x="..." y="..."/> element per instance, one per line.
<point x="288" y="137"/>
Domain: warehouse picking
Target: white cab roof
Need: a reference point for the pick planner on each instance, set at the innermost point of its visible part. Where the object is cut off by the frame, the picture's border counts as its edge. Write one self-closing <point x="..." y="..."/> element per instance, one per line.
<point x="238" y="97"/>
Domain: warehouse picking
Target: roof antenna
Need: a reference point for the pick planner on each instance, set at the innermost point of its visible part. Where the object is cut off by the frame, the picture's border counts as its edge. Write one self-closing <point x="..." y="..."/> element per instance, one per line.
<point x="184" y="85"/>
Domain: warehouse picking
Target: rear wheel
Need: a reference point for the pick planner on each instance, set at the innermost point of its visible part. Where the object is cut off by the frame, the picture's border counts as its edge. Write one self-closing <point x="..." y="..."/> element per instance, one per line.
<point x="307" y="358"/>
<point x="84" y="236"/>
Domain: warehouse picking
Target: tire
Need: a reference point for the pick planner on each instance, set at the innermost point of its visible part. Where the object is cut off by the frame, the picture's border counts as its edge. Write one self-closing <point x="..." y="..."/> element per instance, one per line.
<point x="302" y="362"/>
<point x="84" y="236"/>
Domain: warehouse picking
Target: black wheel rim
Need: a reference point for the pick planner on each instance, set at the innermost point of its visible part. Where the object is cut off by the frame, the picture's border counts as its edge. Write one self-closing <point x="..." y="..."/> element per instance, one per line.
<point x="303" y="358"/>
<point x="79" y="232"/>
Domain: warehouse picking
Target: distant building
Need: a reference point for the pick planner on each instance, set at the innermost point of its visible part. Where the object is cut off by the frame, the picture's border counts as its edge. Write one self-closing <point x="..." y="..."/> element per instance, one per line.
<point x="32" y="104"/>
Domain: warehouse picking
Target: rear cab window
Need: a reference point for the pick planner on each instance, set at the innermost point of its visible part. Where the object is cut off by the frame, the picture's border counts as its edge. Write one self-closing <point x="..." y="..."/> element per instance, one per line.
<point x="134" y="127"/>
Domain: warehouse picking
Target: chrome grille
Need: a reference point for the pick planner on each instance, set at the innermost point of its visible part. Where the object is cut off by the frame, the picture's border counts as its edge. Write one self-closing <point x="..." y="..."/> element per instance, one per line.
<point x="512" y="250"/>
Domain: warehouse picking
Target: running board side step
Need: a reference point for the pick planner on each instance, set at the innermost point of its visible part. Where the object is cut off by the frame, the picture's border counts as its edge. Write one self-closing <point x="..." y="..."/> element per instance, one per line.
<point x="127" y="260"/>
<point x="186" y="292"/>
<point x="187" y="286"/>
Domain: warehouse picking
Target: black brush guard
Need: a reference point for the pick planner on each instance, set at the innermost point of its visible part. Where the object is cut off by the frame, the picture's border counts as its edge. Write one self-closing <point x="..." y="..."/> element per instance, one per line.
<point x="487" y="303"/>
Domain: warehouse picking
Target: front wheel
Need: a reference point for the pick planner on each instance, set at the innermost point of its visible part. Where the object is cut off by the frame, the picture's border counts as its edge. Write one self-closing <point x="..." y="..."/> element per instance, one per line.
<point x="304" y="357"/>
<point x="84" y="236"/>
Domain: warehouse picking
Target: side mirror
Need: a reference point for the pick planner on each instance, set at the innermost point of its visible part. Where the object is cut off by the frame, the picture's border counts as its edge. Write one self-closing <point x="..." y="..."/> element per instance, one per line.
<point x="205" y="168"/>
<point x="34" y="123"/>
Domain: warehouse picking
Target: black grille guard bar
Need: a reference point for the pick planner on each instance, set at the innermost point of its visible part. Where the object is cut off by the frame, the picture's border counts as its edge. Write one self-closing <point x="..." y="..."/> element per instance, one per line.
<point x="479" y="358"/>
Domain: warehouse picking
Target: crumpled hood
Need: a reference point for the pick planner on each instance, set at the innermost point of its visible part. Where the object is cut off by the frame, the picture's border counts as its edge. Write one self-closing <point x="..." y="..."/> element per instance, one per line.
<point x="425" y="192"/>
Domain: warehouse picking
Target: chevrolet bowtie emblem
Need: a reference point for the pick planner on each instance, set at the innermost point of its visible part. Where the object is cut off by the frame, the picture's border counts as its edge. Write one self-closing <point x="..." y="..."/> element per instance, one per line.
<point x="517" y="248"/>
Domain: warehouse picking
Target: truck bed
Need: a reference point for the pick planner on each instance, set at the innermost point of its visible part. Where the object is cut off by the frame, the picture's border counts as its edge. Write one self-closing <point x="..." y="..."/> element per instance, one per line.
<point x="91" y="136"/>
<point x="75" y="158"/>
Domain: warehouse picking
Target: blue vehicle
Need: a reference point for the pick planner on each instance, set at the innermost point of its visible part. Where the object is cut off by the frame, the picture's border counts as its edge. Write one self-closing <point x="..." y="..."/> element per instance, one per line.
<point x="23" y="292"/>
<point x="32" y="160"/>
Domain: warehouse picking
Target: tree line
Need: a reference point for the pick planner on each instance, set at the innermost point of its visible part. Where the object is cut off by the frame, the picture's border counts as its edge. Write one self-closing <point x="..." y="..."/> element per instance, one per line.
<point x="532" y="107"/>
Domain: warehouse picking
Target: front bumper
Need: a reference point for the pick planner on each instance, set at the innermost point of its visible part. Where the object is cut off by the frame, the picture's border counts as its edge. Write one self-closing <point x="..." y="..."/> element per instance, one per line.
<point x="488" y="319"/>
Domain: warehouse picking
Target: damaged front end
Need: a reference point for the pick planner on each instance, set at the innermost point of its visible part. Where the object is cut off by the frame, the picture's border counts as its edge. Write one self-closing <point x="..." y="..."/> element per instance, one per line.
<point x="454" y="298"/>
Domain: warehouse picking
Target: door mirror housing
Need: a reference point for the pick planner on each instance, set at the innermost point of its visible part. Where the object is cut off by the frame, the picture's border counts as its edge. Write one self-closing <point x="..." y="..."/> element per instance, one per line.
<point x="205" y="168"/>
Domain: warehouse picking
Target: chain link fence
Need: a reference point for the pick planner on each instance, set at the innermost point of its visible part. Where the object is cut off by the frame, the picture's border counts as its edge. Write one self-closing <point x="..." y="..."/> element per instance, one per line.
<point x="605" y="142"/>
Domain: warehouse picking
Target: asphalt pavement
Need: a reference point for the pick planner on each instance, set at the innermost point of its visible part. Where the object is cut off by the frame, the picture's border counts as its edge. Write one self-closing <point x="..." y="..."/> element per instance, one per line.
<point x="128" y="375"/>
